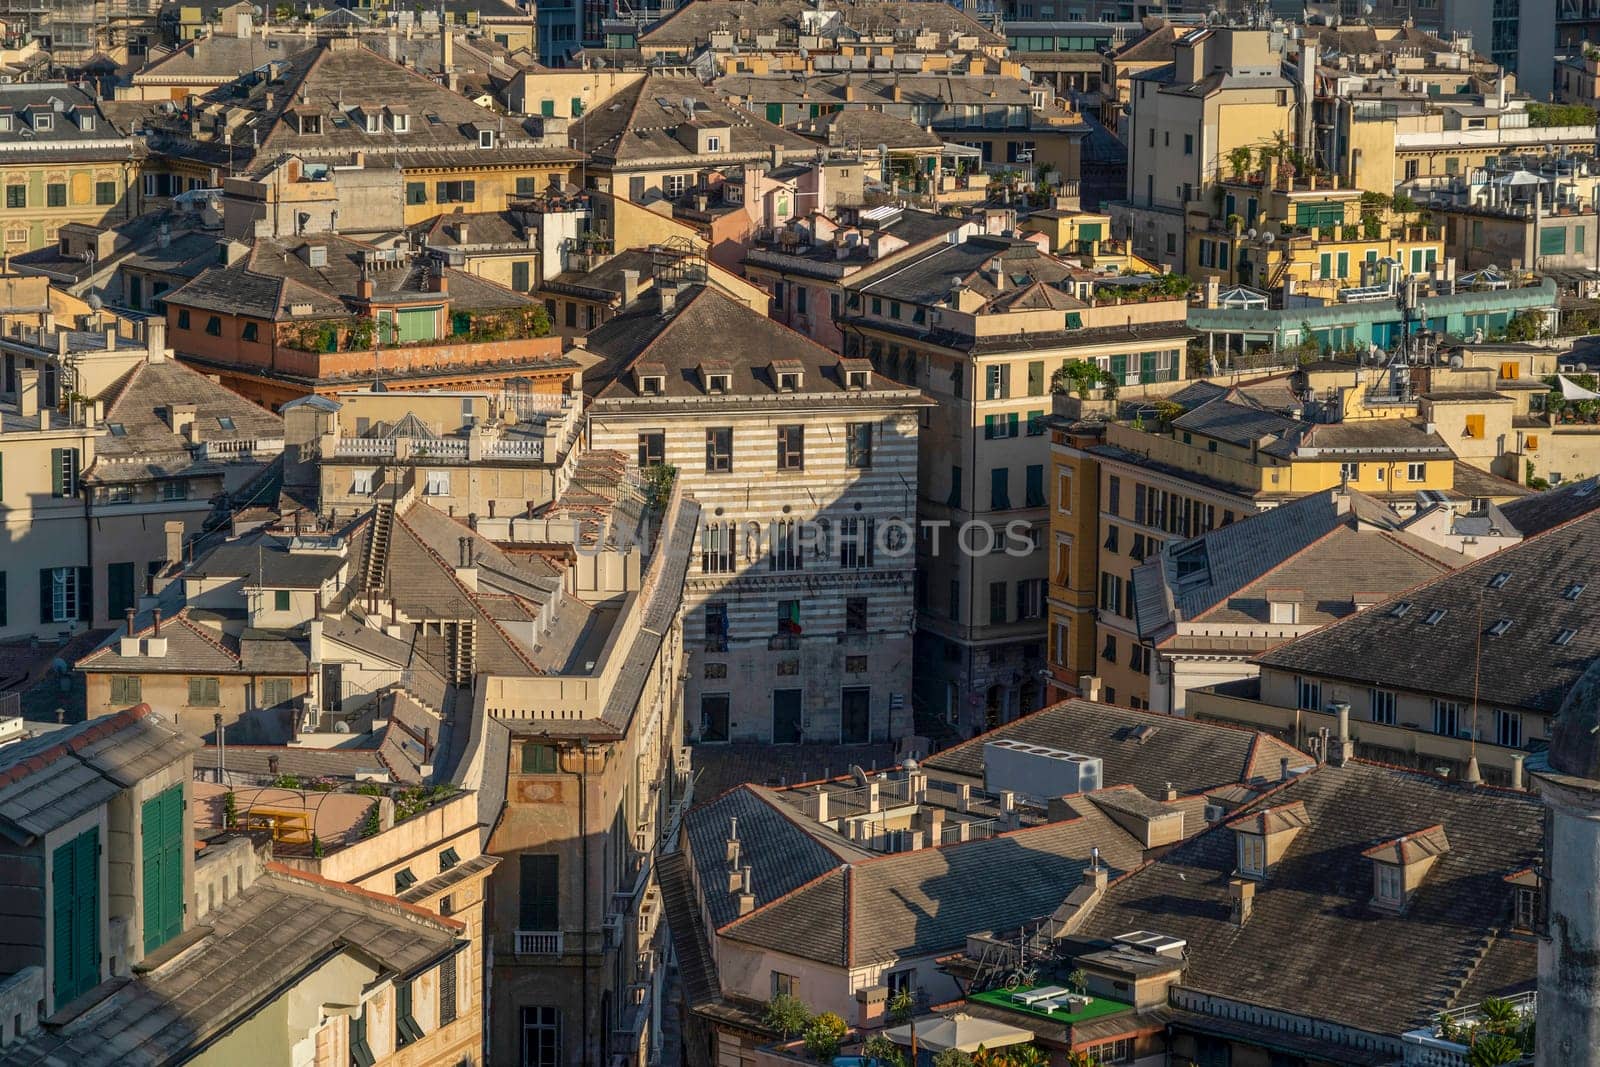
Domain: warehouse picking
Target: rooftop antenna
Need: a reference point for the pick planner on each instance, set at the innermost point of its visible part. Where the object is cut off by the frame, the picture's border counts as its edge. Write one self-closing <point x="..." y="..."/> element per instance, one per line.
<point x="1473" y="776"/>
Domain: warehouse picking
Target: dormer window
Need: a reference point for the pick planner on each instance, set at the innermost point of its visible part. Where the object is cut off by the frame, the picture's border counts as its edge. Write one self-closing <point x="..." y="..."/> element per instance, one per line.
<point x="373" y="123"/>
<point x="1389" y="885"/>
<point x="86" y="121"/>
<point x="485" y="138"/>
<point x="719" y="383"/>
<point x="310" y="123"/>
<point x="1262" y="837"/>
<point x="788" y="381"/>
<point x="857" y="379"/>
<point x="652" y="384"/>
<point x="43" y="120"/>
<point x="1252" y="860"/>
<point x="400" y="122"/>
<point x="5" y="123"/>
<point x="1400" y="864"/>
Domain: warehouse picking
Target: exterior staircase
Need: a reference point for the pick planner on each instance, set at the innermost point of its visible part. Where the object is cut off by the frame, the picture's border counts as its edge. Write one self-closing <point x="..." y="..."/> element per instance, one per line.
<point x="378" y="548"/>
<point x="461" y="650"/>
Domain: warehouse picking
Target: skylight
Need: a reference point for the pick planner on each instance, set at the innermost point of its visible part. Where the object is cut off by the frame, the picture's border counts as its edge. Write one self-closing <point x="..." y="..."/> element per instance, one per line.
<point x="1433" y="617"/>
<point x="1400" y="609"/>
<point x="119" y="430"/>
<point x="225" y="421"/>
<point x="1573" y="591"/>
<point x="1499" y="580"/>
<point x="1499" y="627"/>
<point x="1565" y="637"/>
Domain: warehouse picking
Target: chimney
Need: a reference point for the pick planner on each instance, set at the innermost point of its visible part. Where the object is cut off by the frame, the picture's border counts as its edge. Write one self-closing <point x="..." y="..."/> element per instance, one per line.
<point x="874" y="796"/>
<point x="467" y="571"/>
<point x="155" y="646"/>
<point x="1283" y="769"/>
<point x="364" y="286"/>
<point x="173" y="529"/>
<point x="1170" y="793"/>
<point x="821" y="796"/>
<point x="733" y="843"/>
<point x="669" y="299"/>
<point x="1516" y="770"/>
<point x="272" y="765"/>
<point x="630" y="287"/>
<point x="28" y="392"/>
<point x="1096" y="876"/>
<point x="1242" y="893"/>
<point x="1344" y="749"/>
<point x="180" y="419"/>
<point x="129" y="646"/>
<point x="747" y="894"/>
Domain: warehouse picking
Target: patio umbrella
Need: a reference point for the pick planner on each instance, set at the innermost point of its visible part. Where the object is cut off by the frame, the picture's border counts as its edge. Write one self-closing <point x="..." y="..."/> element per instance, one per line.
<point x="960" y="1031"/>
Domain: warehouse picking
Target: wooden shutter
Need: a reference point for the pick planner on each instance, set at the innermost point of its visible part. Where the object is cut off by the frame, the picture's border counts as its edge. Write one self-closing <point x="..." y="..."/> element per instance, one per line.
<point x="76" y="916"/>
<point x="46" y="581"/>
<point x="58" y="480"/>
<point x="161" y="824"/>
<point x="540" y="897"/>
<point x="86" y="594"/>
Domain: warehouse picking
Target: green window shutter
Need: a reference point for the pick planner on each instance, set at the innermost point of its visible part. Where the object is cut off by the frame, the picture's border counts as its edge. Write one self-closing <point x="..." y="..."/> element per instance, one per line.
<point x="58" y="478"/>
<point x="775" y="114"/>
<point x="2" y="479"/>
<point x="1147" y="367"/>
<point x="1344" y="264"/>
<point x="547" y="108"/>
<point x="46" y="607"/>
<point x="417" y="324"/>
<point x="85" y="594"/>
<point x="75" y="914"/>
<point x="1119" y="368"/>
<point x="1089" y="231"/>
<point x="1326" y="264"/>
<point x="119" y="589"/>
<point x="519" y="277"/>
<point x="1553" y="241"/>
<point x="161" y="826"/>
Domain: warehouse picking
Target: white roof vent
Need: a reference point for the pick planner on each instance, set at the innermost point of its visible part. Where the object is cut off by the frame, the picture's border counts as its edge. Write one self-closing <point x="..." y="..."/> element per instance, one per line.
<point x="1038" y="771"/>
<point x="1153" y="943"/>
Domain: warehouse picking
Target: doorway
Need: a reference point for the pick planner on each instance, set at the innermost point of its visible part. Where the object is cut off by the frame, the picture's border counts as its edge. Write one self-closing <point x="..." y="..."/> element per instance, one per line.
<point x="786" y="716"/>
<point x="855" y="716"/>
<point x="714" y="717"/>
<point x="332" y="686"/>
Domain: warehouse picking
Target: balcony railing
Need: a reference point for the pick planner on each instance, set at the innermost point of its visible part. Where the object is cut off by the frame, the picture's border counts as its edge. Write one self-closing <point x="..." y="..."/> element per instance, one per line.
<point x="240" y="449"/>
<point x="516" y="448"/>
<point x="538" y="942"/>
<point x="365" y="446"/>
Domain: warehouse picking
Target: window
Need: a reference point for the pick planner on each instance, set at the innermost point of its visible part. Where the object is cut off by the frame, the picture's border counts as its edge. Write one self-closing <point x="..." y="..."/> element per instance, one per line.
<point x="1508" y="728"/>
<point x="361" y="483"/>
<point x="416" y="192"/>
<point x="105" y="193"/>
<point x="1390" y="883"/>
<point x="406" y="1029"/>
<point x="673" y="185"/>
<point x="1030" y="598"/>
<point x="1252" y="850"/>
<point x="1110" y="593"/>
<point x="1188" y="144"/>
<point x="1036" y="425"/>
<point x="1572" y="591"/>
<point x="310" y="123"/>
<point x="1036" y="378"/>
<point x="1447" y="717"/>
<point x="1064" y="491"/>
<point x="539" y="893"/>
<point x="997" y="382"/>
<point x="541" y="1037"/>
<point x="55" y="194"/>
<point x="1382" y="705"/>
<point x="275" y="692"/>
<point x="1063" y="563"/>
<point x="1112" y="531"/>
<point x="404" y="880"/>
<point x="954" y="500"/>
<point x="716" y="548"/>
<point x="280" y="600"/>
<point x="713" y="143"/>
<point x="520" y="276"/>
<point x="458" y="192"/>
<point x="447" y="976"/>
<point x="174" y="489"/>
<point x="791" y="448"/>
<point x="183" y="318"/>
<point x="437" y="484"/>
<point x="1034" y="494"/>
<point x="63" y="472"/>
<point x="16" y="196"/>
<point x="1000" y="489"/>
<point x="1114" y="495"/>
<point x="855" y="615"/>
<point x="898" y="982"/>
<point x="539" y="759"/>
<point x="719" y="450"/>
<point x="214" y="325"/>
<point x="1434" y="617"/>
<point x="785" y="985"/>
<point x="1060" y="643"/>
<point x="652" y="449"/>
<point x="1416" y="472"/>
<point x="204" y="693"/>
<point x="1308" y="694"/>
<point x="59" y="599"/>
<point x="1112" y="1052"/>
<point x="997" y="602"/>
<point x="125" y="690"/>
<point x="858" y="445"/>
<point x="360" y="1051"/>
<point x="856" y="538"/>
<point x="787" y="552"/>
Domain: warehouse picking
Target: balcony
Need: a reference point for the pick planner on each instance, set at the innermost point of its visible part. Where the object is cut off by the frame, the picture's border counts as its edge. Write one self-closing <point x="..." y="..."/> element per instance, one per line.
<point x="1448" y="1042"/>
<point x="538" y="942"/>
<point x="235" y="450"/>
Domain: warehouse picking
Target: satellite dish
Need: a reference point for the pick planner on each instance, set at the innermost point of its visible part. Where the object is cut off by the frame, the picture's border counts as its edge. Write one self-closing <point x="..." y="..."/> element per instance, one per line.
<point x="1268" y="238"/>
<point x="1251" y="233"/>
<point x="95" y="303"/>
<point x="1456" y="362"/>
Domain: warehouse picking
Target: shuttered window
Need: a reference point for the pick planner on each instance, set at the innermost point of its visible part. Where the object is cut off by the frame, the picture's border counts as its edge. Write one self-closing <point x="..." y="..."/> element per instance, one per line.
<point x="75" y="915"/>
<point x="161" y="824"/>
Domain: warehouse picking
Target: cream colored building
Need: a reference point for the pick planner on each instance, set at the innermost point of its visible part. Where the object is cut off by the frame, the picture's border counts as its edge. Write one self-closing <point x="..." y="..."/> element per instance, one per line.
<point x="1225" y="92"/>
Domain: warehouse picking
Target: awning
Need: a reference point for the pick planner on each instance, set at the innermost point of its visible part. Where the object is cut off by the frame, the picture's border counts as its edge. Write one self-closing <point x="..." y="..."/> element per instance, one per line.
<point x="1570" y="391"/>
<point x="959" y="150"/>
<point x="959" y="1031"/>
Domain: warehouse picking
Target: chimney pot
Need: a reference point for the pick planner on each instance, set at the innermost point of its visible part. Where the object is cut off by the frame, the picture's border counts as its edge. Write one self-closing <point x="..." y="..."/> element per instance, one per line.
<point x="157" y="614"/>
<point x="1242" y="892"/>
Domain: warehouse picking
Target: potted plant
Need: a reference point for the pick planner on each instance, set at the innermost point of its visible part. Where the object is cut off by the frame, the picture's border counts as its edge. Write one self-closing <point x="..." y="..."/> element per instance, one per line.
<point x="823" y="1036"/>
<point x="786" y="1015"/>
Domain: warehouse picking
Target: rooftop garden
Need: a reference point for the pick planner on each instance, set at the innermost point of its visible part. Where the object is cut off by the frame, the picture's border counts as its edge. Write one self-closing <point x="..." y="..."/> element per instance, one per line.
<point x="1560" y="114"/>
<point x="1492" y="1033"/>
<point x="1094" y="1009"/>
<point x="362" y="333"/>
